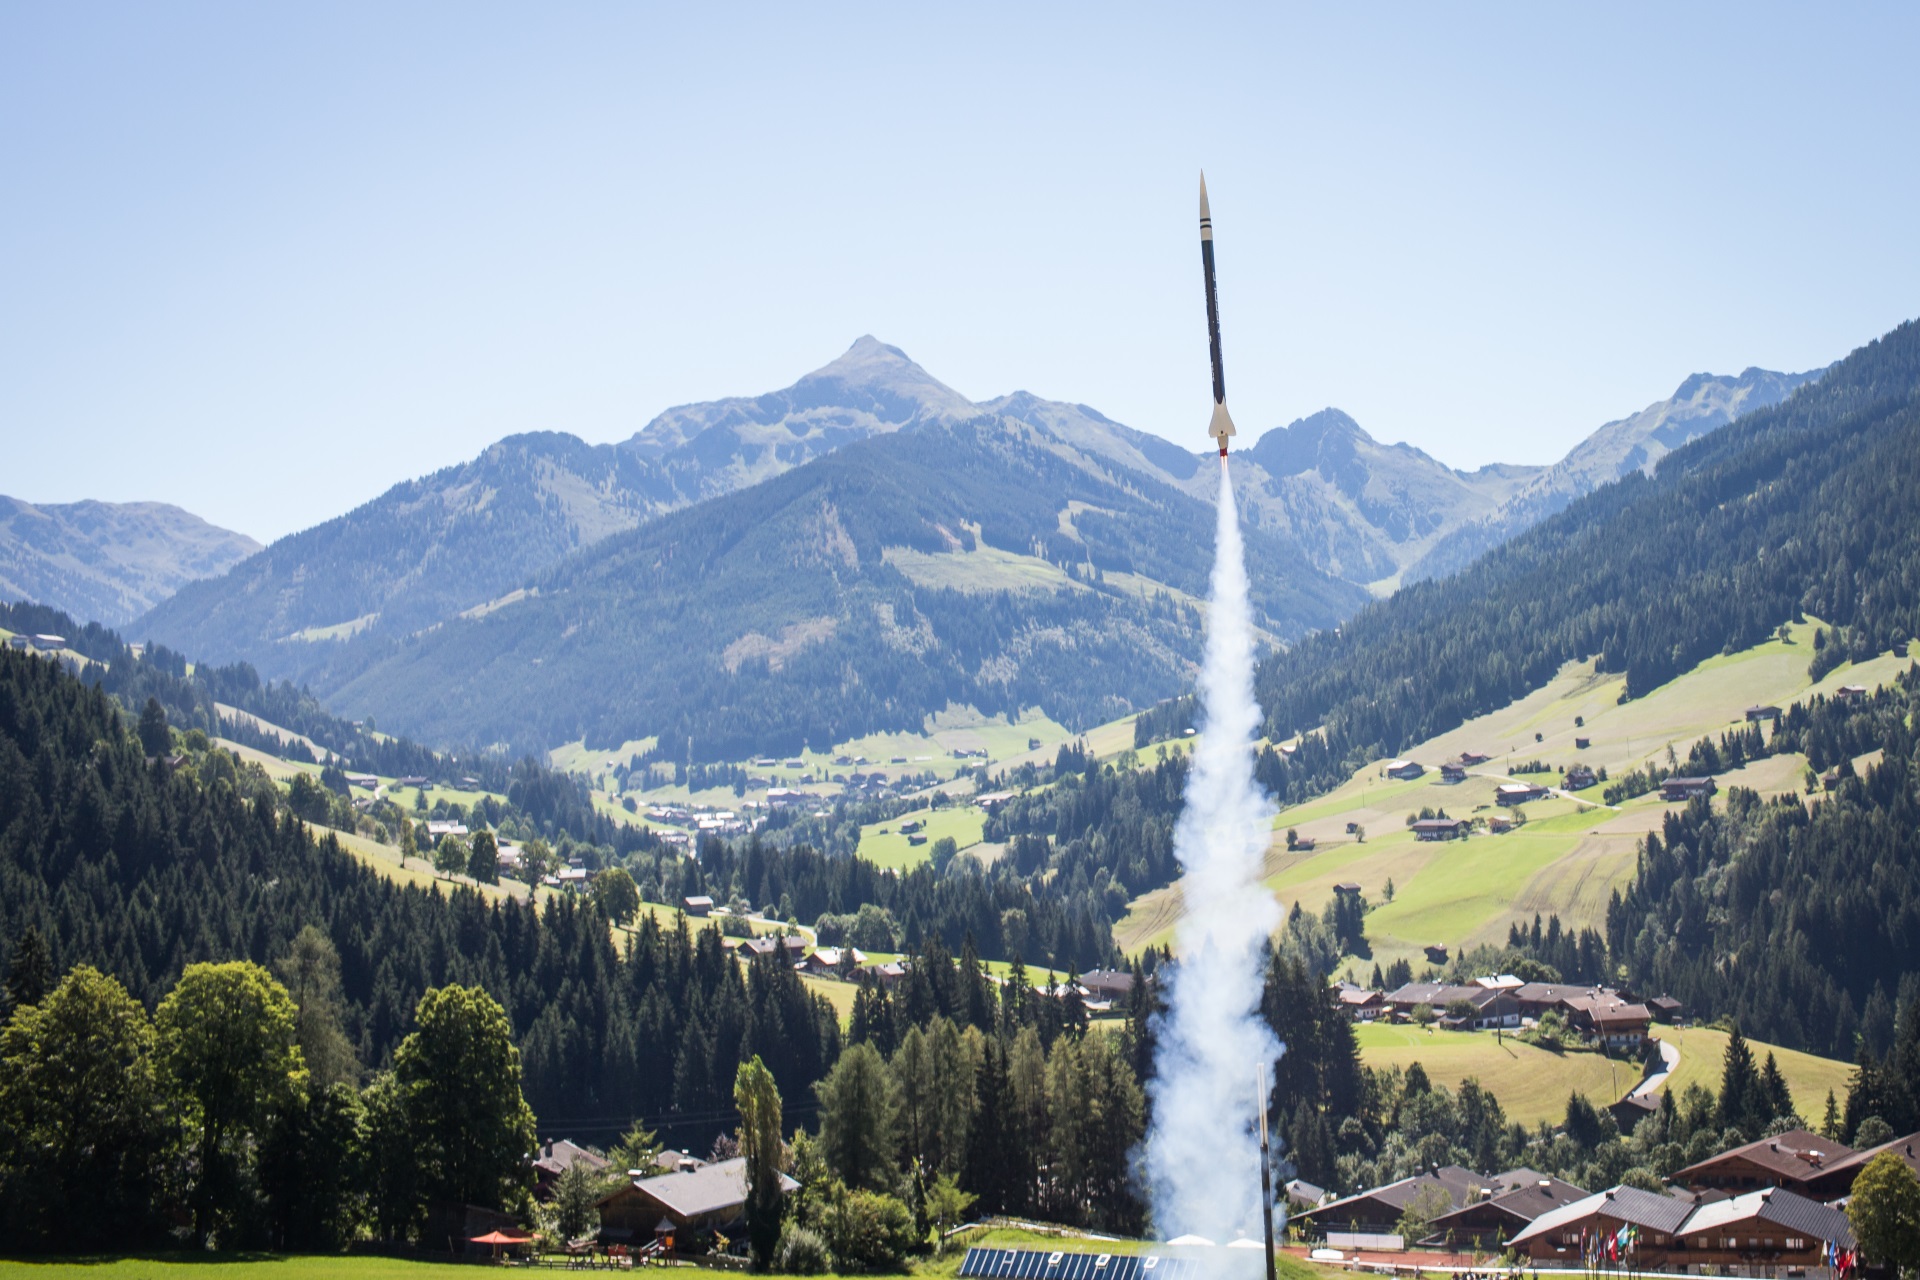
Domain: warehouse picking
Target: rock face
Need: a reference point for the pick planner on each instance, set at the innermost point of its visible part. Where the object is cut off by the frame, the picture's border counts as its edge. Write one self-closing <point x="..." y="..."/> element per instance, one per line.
<point x="1703" y="403"/>
<point x="105" y="561"/>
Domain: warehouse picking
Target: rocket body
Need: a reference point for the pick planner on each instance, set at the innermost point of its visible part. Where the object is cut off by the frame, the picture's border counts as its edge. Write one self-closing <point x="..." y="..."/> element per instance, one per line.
<point x="1221" y="426"/>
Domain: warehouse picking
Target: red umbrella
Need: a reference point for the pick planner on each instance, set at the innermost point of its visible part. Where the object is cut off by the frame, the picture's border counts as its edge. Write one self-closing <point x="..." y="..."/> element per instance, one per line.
<point x="498" y="1238"/>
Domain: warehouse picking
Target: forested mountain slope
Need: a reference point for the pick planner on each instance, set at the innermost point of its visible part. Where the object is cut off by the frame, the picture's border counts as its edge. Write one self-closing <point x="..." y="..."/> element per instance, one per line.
<point x="140" y="870"/>
<point x="1704" y="402"/>
<point x="976" y="563"/>
<point x="110" y="561"/>
<point x="1813" y="504"/>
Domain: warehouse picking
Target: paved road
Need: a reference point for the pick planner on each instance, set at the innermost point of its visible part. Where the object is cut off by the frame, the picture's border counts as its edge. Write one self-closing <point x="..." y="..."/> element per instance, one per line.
<point x="1670" y="1056"/>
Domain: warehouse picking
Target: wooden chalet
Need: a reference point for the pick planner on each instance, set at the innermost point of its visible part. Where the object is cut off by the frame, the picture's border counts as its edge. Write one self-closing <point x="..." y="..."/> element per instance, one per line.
<point x="1757" y="713"/>
<point x="1674" y="789"/>
<point x="1440" y="829"/>
<point x="1404" y="770"/>
<point x="1835" y="1179"/>
<point x="1377" y="1211"/>
<point x="1770" y="1229"/>
<point x="1497" y="1215"/>
<point x="1562" y="1235"/>
<point x="1513" y="793"/>
<point x="1793" y="1160"/>
<point x="1579" y="778"/>
<point x="1450" y="772"/>
<point x="712" y="1197"/>
<point x="555" y="1158"/>
<point x="1760" y="1232"/>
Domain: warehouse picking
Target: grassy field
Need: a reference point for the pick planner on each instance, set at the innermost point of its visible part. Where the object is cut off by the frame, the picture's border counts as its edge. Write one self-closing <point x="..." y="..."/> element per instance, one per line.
<point x="1702" y="1050"/>
<point x="882" y="843"/>
<point x="216" y="1266"/>
<point x="1532" y="1084"/>
<point x="1569" y="856"/>
<point x="226" y="1266"/>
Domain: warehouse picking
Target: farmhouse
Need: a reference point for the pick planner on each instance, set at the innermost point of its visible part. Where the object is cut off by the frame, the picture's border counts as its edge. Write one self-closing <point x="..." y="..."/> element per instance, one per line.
<point x="1359" y="1003"/>
<point x="834" y="962"/>
<point x="710" y="1198"/>
<point x="1451" y="773"/>
<point x="1404" y="769"/>
<point x="1440" y="829"/>
<point x="1756" y="714"/>
<point x="1499" y="825"/>
<point x="1794" y="1160"/>
<point x="1611" y="1020"/>
<point x="1848" y="692"/>
<point x="698" y="905"/>
<point x="1687" y="788"/>
<point x="1579" y="778"/>
<point x="790" y="947"/>
<point x="1474" y="757"/>
<point x="439" y="829"/>
<point x="1106" y="984"/>
<point x="1512" y="793"/>
<point x="1491" y="1008"/>
<point x="1665" y="1008"/>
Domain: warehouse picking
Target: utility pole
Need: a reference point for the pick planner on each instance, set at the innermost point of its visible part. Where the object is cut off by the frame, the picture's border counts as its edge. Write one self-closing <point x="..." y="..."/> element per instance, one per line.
<point x="1260" y="1107"/>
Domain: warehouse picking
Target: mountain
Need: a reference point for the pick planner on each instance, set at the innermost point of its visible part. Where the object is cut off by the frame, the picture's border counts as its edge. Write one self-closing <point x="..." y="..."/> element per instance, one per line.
<point x="416" y="556"/>
<point x="331" y="606"/>
<point x="106" y="560"/>
<point x="1704" y="402"/>
<point x="984" y="563"/>
<point x="1361" y="509"/>
<point x="1808" y="506"/>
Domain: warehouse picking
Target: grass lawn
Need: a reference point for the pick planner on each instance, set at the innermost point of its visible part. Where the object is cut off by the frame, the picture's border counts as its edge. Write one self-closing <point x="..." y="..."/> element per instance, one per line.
<point x="226" y="1266"/>
<point x="882" y="843"/>
<point x="1532" y="1084"/>
<point x="1702" y="1050"/>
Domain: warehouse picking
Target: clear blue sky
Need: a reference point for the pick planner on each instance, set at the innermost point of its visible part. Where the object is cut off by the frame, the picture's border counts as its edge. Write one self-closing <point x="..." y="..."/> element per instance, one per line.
<point x="265" y="260"/>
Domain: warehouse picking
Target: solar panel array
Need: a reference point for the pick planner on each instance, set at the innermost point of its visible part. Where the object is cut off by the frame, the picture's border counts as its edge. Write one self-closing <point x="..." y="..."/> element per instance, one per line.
<point x="1041" y="1264"/>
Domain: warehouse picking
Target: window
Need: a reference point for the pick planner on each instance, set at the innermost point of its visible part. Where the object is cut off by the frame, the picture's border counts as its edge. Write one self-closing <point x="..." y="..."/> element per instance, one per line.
<point x="1796" y="1242"/>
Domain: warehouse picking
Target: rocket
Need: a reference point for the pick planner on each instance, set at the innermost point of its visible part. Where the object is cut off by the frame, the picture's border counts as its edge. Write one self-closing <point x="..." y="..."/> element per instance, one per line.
<point x="1222" y="426"/>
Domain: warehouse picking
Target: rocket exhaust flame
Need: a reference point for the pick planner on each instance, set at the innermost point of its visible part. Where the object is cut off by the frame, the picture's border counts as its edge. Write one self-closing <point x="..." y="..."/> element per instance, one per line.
<point x="1203" y="1153"/>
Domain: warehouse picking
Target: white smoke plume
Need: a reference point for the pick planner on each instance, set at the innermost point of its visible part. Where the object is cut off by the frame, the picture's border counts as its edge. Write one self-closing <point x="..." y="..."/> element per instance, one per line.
<point x="1203" y="1154"/>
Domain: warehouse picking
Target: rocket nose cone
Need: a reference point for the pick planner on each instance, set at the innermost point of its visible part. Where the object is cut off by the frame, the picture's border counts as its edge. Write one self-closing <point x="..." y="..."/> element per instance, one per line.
<point x="1203" y="194"/>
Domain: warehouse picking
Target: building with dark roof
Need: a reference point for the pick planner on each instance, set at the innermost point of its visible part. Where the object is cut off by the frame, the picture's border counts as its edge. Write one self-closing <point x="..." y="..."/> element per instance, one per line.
<point x="1378" y="1209"/>
<point x="1498" y="1215"/>
<point x="1559" y="1234"/>
<point x="1835" y="1179"/>
<point x="1793" y="1160"/>
<point x="1688" y="788"/>
<point x="1439" y="829"/>
<point x="709" y="1198"/>
<point x="1769" y="1228"/>
<point x="555" y="1158"/>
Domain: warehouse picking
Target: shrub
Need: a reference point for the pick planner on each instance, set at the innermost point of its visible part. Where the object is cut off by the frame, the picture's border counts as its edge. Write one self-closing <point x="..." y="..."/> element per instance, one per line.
<point x="801" y="1252"/>
<point x="868" y="1232"/>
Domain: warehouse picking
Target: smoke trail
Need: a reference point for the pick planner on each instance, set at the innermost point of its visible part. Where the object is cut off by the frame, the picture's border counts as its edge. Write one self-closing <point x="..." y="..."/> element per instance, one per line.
<point x="1203" y="1158"/>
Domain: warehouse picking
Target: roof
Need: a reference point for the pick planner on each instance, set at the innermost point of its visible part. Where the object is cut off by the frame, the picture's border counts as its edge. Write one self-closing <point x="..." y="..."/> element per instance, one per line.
<point x="1435" y="993"/>
<point x="1107" y="979"/>
<point x="1458" y="1183"/>
<point x="1438" y="824"/>
<point x="1525" y="1201"/>
<point x="711" y="1188"/>
<point x="1907" y="1148"/>
<point x="1357" y="995"/>
<point x="1776" y="1205"/>
<point x="1795" y="1155"/>
<point x="1623" y="1204"/>
<point x="558" y="1156"/>
<point x="1688" y="782"/>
